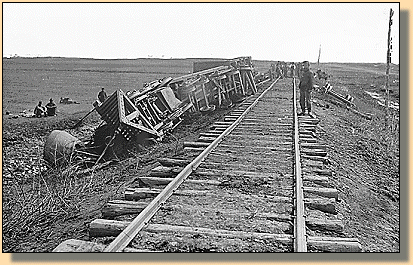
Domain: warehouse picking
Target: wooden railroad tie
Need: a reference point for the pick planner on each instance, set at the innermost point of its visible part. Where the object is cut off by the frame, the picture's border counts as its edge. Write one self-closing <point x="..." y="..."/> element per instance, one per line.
<point x="312" y="164"/>
<point x="308" y="128"/>
<point x="319" y="180"/>
<point x="209" y="134"/>
<point x="156" y="181"/>
<point x="234" y="118"/>
<point x="278" y="139"/>
<point x="314" y="152"/>
<point x="273" y="146"/>
<point x="308" y="140"/>
<point x="313" y="146"/>
<point x="305" y="132"/>
<point x="319" y="172"/>
<point x="324" y="192"/>
<point x="162" y="171"/>
<point x="194" y="149"/>
<point x="321" y="204"/>
<point x="304" y="119"/>
<point x="316" y="158"/>
<point x="205" y="139"/>
<point x="102" y="228"/>
<point x="171" y="162"/>
<point x="195" y="144"/>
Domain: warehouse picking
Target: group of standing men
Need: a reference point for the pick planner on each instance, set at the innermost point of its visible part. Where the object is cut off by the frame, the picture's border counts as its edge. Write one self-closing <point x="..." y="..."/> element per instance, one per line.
<point x="284" y="69"/>
<point x="307" y="81"/>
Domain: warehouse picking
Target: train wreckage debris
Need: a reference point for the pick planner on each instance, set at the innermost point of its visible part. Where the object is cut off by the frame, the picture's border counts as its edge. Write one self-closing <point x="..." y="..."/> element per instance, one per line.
<point x="149" y="114"/>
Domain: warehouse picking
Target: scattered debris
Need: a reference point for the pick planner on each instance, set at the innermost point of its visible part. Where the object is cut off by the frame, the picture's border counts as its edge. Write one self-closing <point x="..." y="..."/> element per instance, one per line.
<point x="381" y="101"/>
<point x="347" y="100"/>
<point x="67" y="101"/>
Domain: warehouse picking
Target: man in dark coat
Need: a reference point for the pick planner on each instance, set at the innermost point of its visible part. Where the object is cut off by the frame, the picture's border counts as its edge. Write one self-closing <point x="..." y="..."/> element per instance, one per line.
<point x="102" y="95"/>
<point x="306" y="86"/>
<point x="51" y="108"/>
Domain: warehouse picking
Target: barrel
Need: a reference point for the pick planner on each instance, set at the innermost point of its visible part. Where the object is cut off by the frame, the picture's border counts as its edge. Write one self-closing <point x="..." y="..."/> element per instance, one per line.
<point x="59" y="147"/>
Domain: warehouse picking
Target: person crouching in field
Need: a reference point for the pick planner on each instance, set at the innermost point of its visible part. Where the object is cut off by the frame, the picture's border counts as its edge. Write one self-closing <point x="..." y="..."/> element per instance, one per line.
<point x="306" y="85"/>
<point x="39" y="110"/>
<point x="51" y="108"/>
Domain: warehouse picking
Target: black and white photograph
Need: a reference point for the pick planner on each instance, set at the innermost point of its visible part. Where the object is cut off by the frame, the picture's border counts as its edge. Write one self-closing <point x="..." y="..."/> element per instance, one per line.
<point x="201" y="127"/>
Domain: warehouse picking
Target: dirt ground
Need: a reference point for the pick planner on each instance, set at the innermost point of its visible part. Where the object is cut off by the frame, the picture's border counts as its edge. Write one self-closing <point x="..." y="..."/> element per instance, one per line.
<point x="43" y="207"/>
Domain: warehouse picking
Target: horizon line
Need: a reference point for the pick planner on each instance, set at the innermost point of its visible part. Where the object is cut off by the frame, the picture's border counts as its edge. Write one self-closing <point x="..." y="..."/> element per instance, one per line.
<point x="171" y="58"/>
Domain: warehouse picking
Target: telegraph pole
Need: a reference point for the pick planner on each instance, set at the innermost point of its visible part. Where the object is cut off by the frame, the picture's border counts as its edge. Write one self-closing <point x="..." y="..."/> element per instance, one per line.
<point x="389" y="47"/>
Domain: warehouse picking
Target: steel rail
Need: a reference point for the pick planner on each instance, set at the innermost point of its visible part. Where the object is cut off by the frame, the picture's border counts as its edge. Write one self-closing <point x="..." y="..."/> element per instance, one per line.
<point x="127" y="235"/>
<point x="300" y="240"/>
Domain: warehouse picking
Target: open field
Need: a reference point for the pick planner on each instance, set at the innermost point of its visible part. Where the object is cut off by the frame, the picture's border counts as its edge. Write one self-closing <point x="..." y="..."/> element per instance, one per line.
<point x="29" y="80"/>
<point x="42" y="208"/>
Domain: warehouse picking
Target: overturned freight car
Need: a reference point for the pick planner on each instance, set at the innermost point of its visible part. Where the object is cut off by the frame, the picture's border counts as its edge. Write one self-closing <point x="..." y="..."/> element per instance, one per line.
<point x="142" y="115"/>
<point x="128" y="117"/>
<point x="216" y="83"/>
<point x="149" y="114"/>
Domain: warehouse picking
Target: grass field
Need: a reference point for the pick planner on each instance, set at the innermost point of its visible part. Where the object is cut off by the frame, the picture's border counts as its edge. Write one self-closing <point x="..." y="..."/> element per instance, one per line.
<point x="26" y="81"/>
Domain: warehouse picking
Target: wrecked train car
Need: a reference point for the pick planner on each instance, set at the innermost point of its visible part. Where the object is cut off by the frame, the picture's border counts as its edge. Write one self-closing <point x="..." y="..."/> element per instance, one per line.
<point x="149" y="114"/>
<point x="216" y="83"/>
<point x="141" y="115"/>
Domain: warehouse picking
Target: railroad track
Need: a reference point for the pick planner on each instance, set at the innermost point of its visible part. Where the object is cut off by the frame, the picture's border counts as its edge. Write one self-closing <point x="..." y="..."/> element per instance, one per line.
<point x="256" y="181"/>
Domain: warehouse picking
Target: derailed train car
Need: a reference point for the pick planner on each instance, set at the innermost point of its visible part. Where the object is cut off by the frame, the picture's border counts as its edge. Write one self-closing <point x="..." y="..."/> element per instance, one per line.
<point x="141" y="115"/>
<point x="137" y="116"/>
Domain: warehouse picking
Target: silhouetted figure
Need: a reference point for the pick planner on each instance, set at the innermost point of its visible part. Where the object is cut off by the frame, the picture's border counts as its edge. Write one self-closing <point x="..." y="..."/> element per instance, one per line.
<point x="39" y="110"/>
<point x="306" y="86"/>
<point x="102" y="95"/>
<point x="51" y="108"/>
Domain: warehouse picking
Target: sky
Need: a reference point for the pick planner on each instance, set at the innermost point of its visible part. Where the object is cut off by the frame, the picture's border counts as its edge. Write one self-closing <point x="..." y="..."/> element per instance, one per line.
<point x="346" y="32"/>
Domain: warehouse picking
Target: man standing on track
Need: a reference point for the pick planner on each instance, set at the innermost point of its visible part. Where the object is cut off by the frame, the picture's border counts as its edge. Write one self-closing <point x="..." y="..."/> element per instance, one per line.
<point x="292" y="69"/>
<point x="306" y="85"/>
